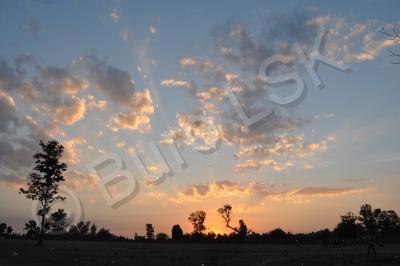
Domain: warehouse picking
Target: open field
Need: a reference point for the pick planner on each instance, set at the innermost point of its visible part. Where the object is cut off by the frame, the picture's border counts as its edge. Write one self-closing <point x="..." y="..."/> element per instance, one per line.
<point x="113" y="253"/>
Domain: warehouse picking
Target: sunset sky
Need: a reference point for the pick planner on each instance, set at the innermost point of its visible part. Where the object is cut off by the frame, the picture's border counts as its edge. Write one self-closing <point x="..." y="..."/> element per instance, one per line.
<point x="116" y="77"/>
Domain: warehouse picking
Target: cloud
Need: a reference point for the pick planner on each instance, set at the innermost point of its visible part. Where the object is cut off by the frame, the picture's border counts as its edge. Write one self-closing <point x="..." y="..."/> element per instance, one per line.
<point x="326" y="191"/>
<point x="59" y="79"/>
<point x="153" y="30"/>
<point x="8" y="117"/>
<point x="92" y="103"/>
<point x="353" y="42"/>
<point x="254" y="193"/>
<point x="278" y="142"/>
<point x="77" y="180"/>
<point x="138" y="115"/>
<point x="114" y="15"/>
<point x="32" y="26"/>
<point x="190" y="86"/>
<point x="71" y="151"/>
<point x="118" y="85"/>
<point x="124" y="34"/>
<point x="71" y="111"/>
<point x="224" y="189"/>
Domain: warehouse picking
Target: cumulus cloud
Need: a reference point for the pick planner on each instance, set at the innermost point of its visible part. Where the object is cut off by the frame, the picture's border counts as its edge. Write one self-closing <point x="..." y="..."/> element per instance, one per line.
<point x="8" y="117"/>
<point x="138" y="115"/>
<point x="238" y="53"/>
<point x="118" y="85"/>
<point x="71" y="150"/>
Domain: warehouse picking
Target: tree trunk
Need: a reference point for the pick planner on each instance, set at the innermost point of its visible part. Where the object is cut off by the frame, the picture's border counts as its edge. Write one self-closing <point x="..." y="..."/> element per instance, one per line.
<point x="40" y="241"/>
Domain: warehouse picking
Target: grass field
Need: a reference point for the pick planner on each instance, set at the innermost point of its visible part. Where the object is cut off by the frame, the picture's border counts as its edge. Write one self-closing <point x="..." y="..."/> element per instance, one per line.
<point x="105" y="253"/>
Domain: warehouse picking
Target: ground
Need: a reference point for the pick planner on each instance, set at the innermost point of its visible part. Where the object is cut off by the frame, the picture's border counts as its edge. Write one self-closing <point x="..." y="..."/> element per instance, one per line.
<point x="25" y="252"/>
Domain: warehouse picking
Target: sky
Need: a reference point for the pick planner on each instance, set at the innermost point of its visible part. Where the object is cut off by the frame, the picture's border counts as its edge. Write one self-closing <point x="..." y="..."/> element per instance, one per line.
<point x="157" y="104"/>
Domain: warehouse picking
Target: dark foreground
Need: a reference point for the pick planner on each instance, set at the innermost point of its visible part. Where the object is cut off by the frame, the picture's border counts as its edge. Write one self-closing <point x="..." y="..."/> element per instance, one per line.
<point x="24" y="252"/>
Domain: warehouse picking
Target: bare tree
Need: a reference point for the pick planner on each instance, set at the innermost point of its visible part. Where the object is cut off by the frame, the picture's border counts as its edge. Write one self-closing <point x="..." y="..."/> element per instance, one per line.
<point x="394" y="34"/>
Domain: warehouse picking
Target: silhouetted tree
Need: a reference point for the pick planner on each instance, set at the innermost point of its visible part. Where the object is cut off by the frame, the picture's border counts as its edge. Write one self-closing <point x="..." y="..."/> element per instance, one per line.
<point x="3" y="228"/>
<point x="45" y="178"/>
<point x="226" y="214"/>
<point x="393" y="35"/>
<point x="369" y="218"/>
<point x="347" y="228"/>
<point x="149" y="232"/>
<point x="104" y="235"/>
<point x="177" y="232"/>
<point x="83" y="228"/>
<point x="32" y="230"/>
<point x="93" y="229"/>
<point x="58" y="220"/>
<point x="9" y="230"/>
<point x="243" y="230"/>
<point x="277" y="234"/>
<point x="197" y="219"/>
<point x="162" y="237"/>
<point x="388" y="222"/>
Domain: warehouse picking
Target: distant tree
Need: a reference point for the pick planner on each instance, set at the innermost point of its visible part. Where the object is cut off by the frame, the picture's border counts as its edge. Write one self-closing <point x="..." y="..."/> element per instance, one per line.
<point x="104" y="234"/>
<point x="93" y="229"/>
<point x="197" y="219"/>
<point x="177" y="232"/>
<point x="226" y="214"/>
<point x="83" y="228"/>
<point x="388" y="222"/>
<point x="243" y="230"/>
<point x="347" y="227"/>
<point x="32" y="230"/>
<point x="58" y="220"/>
<point x="139" y="238"/>
<point x="277" y="234"/>
<point x="149" y="232"/>
<point x="9" y="230"/>
<point x="45" y="179"/>
<point x="162" y="237"/>
<point x="3" y="228"/>
<point x="369" y="218"/>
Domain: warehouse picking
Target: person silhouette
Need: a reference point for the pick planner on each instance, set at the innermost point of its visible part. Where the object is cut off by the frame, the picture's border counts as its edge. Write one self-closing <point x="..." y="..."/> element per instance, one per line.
<point x="371" y="244"/>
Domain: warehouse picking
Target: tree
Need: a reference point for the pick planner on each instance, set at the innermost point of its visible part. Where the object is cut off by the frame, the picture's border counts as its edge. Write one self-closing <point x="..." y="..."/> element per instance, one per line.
<point x="9" y="230"/>
<point x="149" y="231"/>
<point x="197" y="219"/>
<point x="58" y="221"/>
<point x="347" y="227"/>
<point x="31" y="228"/>
<point x="83" y="228"/>
<point x="369" y="218"/>
<point x="45" y="178"/>
<point x="177" y="232"/>
<point x="162" y="237"/>
<point x="226" y="214"/>
<point x="393" y="35"/>
<point x="93" y="229"/>
<point x="3" y="228"/>
<point x="243" y="230"/>
<point x="388" y="222"/>
<point x="104" y="234"/>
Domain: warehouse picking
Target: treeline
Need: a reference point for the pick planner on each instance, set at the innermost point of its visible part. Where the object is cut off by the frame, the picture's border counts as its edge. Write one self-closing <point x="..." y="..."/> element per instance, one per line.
<point x="383" y="225"/>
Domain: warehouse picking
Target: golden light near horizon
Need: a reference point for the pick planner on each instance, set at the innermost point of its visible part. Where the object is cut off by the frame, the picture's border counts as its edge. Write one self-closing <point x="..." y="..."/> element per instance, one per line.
<point x="169" y="108"/>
